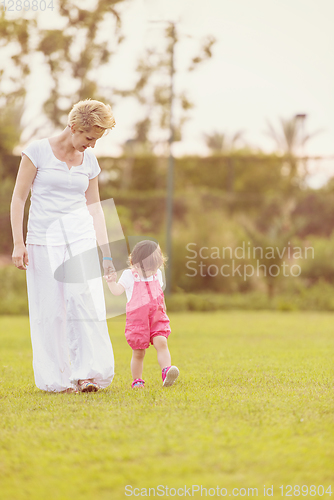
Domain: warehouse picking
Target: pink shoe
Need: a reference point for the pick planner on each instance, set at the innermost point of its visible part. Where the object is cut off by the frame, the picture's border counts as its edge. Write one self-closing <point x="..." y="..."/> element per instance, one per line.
<point x="169" y="375"/>
<point x="138" y="383"/>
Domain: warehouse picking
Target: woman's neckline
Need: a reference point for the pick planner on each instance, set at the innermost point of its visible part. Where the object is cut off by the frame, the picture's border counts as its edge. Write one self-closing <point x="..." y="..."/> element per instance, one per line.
<point x="72" y="166"/>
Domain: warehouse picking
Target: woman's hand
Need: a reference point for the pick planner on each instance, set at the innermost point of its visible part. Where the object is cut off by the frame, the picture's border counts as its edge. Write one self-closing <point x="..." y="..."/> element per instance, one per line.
<point x="20" y="257"/>
<point x="108" y="266"/>
<point x="110" y="273"/>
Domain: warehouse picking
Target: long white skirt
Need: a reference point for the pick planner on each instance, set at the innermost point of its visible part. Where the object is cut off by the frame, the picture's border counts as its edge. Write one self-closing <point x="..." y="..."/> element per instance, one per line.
<point x="69" y="332"/>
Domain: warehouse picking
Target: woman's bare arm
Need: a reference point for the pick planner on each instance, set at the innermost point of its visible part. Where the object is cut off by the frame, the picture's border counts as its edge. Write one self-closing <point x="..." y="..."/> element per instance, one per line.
<point x="25" y="178"/>
<point x="95" y="209"/>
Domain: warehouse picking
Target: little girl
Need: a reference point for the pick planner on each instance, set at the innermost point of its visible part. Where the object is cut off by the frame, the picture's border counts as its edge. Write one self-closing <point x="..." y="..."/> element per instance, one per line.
<point x="146" y="318"/>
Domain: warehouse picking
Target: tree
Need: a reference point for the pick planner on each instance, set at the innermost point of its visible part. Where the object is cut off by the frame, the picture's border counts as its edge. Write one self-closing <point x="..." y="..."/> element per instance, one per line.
<point x="290" y="139"/>
<point x="74" y="72"/>
<point x="152" y="91"/>
<point x="220" y="143"/>
<point x="73" y="55"/>
<point x="14" y="71"/>
<point x="271" y="234"/>
<point x="10" y="132"/>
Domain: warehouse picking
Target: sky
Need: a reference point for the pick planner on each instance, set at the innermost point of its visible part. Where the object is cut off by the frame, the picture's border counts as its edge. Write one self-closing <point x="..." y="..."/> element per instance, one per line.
<point x="272" y="59"/>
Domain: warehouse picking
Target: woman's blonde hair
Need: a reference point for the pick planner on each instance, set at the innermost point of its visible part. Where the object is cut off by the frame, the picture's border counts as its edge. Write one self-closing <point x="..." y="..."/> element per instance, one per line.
<point x="90" y="113"/>
<point x="145" y="256"/>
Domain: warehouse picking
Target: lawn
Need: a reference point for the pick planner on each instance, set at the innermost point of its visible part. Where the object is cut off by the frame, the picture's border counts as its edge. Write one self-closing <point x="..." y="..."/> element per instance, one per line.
<point x="254" y="406"/>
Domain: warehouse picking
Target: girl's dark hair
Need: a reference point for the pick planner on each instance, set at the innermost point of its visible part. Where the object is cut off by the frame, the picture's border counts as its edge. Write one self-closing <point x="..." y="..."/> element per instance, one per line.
<point x="144" y="255"/>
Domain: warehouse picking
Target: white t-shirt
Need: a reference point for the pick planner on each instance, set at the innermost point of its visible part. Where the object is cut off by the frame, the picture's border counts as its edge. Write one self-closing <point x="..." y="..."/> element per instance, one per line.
<point x="58" y="202"/>
<point x="127" y="281"/>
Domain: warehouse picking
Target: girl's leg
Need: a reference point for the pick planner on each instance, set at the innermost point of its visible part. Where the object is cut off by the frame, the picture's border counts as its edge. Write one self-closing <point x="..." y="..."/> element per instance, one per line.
<point x="169" y="373"/>
<point x="137" y="363"/>
<point x="161" y="345"/>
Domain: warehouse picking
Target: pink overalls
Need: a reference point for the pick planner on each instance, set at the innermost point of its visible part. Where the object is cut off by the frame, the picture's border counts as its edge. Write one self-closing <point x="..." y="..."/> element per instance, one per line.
<point x="145" y="313"/>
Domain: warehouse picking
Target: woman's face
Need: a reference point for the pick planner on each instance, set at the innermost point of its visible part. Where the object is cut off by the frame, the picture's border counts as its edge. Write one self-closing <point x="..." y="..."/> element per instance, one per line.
<point x="83" y="140"/>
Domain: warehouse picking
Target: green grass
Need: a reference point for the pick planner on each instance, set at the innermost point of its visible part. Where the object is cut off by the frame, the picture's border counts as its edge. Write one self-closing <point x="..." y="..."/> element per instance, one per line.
<point x="253" y="406"/>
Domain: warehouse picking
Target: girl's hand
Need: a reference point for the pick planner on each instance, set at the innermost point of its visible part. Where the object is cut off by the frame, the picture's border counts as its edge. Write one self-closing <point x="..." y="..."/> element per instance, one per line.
<point x="20" y="257"/>
<point x="111" y="278"/>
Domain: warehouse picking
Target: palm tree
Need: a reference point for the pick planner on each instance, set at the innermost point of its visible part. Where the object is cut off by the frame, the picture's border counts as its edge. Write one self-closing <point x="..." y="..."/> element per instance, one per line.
<point x="220" y="143"/>
<point x="290" y="138"/>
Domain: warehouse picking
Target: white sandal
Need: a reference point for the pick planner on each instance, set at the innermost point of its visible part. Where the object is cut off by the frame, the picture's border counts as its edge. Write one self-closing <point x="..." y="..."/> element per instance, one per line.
<point x="87" y="386"/>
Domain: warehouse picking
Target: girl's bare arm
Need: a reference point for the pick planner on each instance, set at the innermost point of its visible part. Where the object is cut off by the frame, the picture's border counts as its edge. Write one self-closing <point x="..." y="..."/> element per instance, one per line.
<point x="115" y="288"/>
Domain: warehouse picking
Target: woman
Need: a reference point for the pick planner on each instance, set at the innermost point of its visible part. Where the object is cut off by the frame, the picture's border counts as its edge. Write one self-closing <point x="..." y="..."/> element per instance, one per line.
<point x="71" y="345"/>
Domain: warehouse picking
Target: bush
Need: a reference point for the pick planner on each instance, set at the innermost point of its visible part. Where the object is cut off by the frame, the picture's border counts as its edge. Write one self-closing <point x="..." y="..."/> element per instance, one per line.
<point x="321" y="267"/>
<point x="13" y="291"/>
<point x="216" y="302"/>
<point x="320" y="297"/>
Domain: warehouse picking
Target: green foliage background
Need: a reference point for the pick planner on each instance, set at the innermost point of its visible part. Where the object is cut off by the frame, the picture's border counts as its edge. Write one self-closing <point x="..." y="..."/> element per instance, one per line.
<point x="260" y="207"/>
